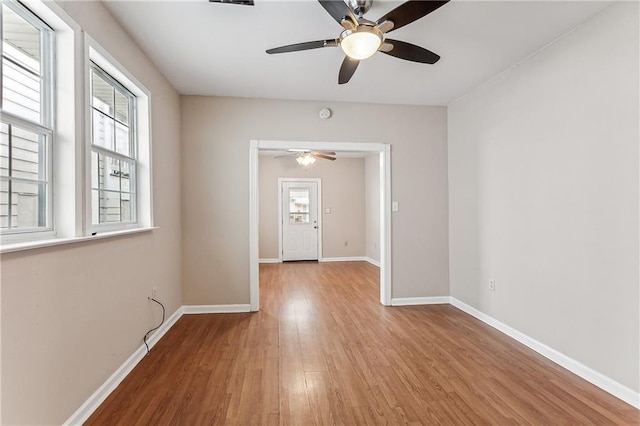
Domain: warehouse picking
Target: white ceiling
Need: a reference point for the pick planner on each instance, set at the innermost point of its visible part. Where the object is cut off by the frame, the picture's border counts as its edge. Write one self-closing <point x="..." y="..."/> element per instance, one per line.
<point x="219" y="49"/>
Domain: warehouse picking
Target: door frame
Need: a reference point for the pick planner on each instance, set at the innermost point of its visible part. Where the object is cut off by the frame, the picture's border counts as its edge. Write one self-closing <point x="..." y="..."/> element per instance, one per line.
<point x="384" y="151"/>
<point x="318" y="181"/>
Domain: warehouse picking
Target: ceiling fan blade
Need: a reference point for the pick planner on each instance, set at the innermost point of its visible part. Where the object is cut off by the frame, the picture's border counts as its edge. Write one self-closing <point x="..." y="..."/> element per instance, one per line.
<point x="239" y="2"/>
<point x="323" y="152"/>
<point x="409" y="52"/>
<point x="339" y="10"/>
<point x="347" y="69"/>
<point x="304" y="46"/>
<point x="320" y="155"/>
<point x="410" y="11"/>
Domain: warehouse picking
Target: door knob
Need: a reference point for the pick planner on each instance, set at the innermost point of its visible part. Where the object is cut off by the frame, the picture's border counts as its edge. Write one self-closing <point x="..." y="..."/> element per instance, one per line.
<point x="315" y="227"/>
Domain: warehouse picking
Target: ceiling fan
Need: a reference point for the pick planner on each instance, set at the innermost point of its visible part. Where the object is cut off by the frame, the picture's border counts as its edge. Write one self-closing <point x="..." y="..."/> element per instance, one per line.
<point x="305" y="157"/>
<point x="361" y="38"/>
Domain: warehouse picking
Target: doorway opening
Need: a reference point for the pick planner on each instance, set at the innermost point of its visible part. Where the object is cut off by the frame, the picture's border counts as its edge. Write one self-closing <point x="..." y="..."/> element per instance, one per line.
<point x="383" y="152"/>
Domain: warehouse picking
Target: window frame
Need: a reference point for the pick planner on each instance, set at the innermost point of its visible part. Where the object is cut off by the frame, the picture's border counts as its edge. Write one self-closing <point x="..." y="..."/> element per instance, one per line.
<point x="131" y="158"/>
<point x="45" y="127"/>
<point x="95" y="53"/>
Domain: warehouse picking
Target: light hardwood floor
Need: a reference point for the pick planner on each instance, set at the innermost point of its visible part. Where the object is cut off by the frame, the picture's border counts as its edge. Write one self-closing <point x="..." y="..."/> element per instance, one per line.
<point x="322" y="350"/>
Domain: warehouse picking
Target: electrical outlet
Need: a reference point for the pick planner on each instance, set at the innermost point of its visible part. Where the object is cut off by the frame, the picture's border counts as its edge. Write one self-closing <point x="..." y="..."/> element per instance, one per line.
<point x="492" y="285"/>
<point x="154" y="293"/>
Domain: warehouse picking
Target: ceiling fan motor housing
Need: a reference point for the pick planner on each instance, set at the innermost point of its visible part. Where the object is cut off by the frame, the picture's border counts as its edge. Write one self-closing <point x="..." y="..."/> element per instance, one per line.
<point x="360" y="7"/>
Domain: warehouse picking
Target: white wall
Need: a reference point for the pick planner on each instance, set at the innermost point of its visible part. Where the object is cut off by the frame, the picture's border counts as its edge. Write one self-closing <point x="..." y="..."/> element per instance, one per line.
<point x="543" y="177"/>
<point x="215" y="177"/>
<point x="343" y="192"/>
<point x="372" y="201"/>
<point x="73" y="314"/>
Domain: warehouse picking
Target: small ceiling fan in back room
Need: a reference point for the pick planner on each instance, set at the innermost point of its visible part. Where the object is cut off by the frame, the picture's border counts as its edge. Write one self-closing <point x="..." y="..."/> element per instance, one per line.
<point x="361" y="38"/>
<point x="306" y="157"/>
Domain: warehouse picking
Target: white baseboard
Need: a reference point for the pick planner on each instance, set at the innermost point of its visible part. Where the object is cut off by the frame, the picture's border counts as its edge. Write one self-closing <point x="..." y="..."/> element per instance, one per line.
<point x="410" y="301"/>
<point x="93" y="402"/>
<point x="331" y="259"/>
<point x="344" y="259"/>
<point x="215" y="309"/>
<point x="605" y="383"/>
<point x="372" y="261"/>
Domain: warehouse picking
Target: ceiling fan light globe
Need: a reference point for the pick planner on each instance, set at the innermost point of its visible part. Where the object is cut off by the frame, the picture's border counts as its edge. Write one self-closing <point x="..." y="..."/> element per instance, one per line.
<point x="305" y="159"/>
<point x="361" y="43"/>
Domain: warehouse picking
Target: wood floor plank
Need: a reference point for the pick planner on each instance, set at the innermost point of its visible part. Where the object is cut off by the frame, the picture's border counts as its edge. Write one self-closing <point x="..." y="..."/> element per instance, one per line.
<point x="323" y="351"/>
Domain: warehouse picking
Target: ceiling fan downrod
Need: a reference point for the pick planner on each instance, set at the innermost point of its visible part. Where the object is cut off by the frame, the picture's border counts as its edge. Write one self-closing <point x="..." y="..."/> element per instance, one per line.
<point x="359" y="7"/>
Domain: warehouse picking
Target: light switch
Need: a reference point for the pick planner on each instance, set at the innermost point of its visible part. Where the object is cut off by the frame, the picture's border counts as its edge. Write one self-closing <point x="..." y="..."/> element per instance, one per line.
<point x="327" y="211"/>
<point x="394" y="206"/>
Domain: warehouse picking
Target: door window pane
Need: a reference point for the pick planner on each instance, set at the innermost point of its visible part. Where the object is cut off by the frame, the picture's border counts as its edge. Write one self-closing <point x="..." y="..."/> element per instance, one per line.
<point x="298" y="218"/>
<point x="298" y="205"/>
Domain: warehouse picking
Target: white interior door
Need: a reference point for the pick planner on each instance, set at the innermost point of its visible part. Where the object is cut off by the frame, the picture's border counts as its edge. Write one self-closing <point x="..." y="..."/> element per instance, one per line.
<point x="299" y="221"/>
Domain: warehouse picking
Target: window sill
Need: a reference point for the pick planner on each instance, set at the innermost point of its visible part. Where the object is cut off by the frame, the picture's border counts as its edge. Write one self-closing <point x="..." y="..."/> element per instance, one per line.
<point x="29" y="245"/>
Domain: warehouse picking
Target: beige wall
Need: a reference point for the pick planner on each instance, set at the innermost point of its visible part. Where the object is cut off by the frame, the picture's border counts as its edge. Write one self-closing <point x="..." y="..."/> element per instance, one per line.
<point x="543" y="175"/>
<point x="342" y="192"/>
<point x="73" y="314"/>
<point x="215" y="177"/>
<point x="372" y="202"/>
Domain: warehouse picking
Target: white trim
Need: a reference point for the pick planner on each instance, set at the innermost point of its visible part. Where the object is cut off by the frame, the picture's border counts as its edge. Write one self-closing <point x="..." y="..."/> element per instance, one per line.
<point x="215" y="309"/>
<point x="29" y="245"/>
<point x="318" y="181"/>
<point x="372" y="261"/>
<point x="93" y="402"/>
<point x="320" y="146"/>
<point x="384" y="151"/>
<point x="254" y="228"/>
<point x="329" y="259"/>
<point x="385" y="226"/>
<point x="344" y="259"/>
<point x="605" y="383"/>
<point x="412" y="301"/>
